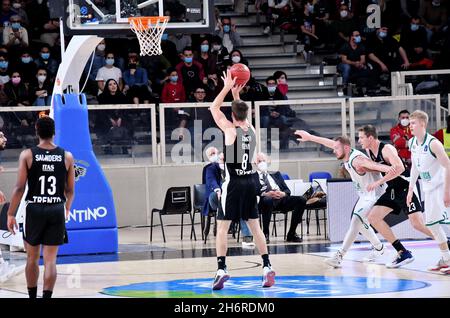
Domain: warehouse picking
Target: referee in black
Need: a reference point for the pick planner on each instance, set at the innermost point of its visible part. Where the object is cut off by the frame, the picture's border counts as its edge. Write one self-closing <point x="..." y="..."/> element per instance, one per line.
<point x="49" y="172"/>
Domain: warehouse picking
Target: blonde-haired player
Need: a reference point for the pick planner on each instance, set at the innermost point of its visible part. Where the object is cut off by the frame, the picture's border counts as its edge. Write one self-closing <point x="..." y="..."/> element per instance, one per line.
<point x="430" y="161"/>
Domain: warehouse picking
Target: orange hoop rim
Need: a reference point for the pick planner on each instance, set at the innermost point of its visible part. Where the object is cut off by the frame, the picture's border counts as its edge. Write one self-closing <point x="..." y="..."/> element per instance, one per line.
<point x="146" y="21"/>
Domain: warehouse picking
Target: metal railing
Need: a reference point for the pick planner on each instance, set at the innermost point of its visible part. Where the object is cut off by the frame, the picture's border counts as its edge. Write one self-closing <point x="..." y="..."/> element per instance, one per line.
<point x="400" y="87"/>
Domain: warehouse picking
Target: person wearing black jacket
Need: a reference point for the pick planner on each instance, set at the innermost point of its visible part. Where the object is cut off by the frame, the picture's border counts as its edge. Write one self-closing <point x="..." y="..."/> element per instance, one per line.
<point x="275" y="195"/>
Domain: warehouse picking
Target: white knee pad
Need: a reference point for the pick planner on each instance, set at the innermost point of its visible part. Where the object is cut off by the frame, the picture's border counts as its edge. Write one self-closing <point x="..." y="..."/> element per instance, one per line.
<point x="438" y="233"/>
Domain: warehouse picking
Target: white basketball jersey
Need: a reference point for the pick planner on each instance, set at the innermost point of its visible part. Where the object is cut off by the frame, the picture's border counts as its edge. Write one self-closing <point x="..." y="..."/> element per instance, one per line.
<point x="362" y="181"/>
<point x="425" y="161"/>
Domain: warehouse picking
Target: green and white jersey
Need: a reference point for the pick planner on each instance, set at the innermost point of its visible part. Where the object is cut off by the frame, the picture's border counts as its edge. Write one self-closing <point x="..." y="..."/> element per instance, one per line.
<point x="425" y="161"/>
<point x="362" y="181"/>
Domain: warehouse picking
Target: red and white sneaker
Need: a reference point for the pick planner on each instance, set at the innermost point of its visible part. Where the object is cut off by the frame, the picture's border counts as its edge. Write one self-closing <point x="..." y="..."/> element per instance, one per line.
<point x="441" y="264"/>
<point x="268" y="277"/>
<point x="219" y="280"/>
<point x="445" y="271"/>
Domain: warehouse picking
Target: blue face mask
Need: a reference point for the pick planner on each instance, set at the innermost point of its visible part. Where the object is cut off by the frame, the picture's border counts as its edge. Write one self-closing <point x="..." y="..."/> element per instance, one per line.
<point x="3" y="64"/>
<point x="188" y="59"/>
<point x="358" y="39"/>
<point x="174" y="79"/>
<point x="164" y="37"/>
<point x="109" y="61"/>
<point x="272" y="89"/>
<point x="15" y="25"/>
<point x="226" y="28"/>
<point x="414" y="27"/>
<point x="26" y="60"/>
<point x="383" y="35"/>
<point x="45" y="56"/>
<point x="204" y="47"/>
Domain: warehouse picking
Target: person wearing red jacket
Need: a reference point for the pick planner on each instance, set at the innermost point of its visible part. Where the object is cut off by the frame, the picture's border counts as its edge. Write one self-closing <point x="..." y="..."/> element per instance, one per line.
<point x="400" y="135"/>
<point x="173" y="90"/>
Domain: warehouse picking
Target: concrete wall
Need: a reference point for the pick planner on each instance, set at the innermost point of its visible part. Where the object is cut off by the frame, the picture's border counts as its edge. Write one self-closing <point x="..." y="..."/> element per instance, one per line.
<point x="130" y="183"/>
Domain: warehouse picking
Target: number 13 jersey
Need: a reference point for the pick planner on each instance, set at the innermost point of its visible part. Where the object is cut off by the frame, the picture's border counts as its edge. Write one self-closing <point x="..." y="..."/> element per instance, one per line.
<point x="47" y="176"/>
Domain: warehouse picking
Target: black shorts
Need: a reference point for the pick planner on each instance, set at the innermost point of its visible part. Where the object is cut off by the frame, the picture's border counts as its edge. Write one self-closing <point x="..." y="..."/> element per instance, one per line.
<point x="45" y="224"/>
<point x="395" y="198"/>
<point x="238" y="200"/>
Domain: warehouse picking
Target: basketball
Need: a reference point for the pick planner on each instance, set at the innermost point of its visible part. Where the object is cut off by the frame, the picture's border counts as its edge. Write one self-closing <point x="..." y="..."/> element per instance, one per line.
<point x="241" y="72"/>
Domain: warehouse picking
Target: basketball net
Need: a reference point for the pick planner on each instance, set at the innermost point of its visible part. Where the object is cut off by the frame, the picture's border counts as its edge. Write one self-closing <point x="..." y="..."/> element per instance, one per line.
<point x="149" y="31"/>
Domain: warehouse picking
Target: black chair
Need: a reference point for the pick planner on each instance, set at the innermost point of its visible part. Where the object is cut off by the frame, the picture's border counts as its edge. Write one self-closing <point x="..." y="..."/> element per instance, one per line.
<point x="199" y="200"/>
<point x="318" y="206"/>
<point x="177" y="201"/>
<point x="274" y="227"/>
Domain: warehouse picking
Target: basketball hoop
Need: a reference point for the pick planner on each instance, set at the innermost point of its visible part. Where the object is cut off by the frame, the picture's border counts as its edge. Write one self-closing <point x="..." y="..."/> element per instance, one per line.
<point x="149" y="31"/>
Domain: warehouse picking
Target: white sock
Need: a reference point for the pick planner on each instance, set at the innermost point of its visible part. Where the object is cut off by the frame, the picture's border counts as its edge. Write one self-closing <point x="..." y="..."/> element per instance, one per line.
<point x="351" y="235"/>
<point x="446" y="255"/>
<point x="370" y="234"/>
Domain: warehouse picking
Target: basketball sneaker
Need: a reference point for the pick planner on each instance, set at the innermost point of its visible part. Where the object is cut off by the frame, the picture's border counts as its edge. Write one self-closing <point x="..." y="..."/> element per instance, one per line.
<point x="374" y="254"/>
<point x="247" y="242"/>
<point x="441" y="264"/>
<point x="8" y="271"/>
<point x="220" y="279"/>
<point x="335" y="261"/>
<point x="268" y="276"/>
<point x="402" y="258"/>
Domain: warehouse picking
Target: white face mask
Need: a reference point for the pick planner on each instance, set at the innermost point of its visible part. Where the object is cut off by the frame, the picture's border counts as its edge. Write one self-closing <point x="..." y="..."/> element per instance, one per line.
<point x="42" y="78"/>
<point x="214" y="158"/>
<point x="344" y="14"/>
<point x="222" y="166"/>
<point x="101" y="47"/>
<point x="262" y="166"/>
<point x="404" y="122"/>
<point x="236" y="59"/>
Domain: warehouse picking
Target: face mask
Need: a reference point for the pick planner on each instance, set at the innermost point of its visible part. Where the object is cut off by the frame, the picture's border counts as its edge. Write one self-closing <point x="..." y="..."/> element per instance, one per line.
<point x="42" y="78"/>
<point x="15" y="25"/>
<point x="188" y="59"/>
<point x="344" y="14"/>
<point x="216" y="47"/>
<point x="414" y="27"/>
<point x="282" y="80"/>
<point x="101" y="47"/>
<point x="222" y="166"/>
<point x="17" y="5"/>
<point x="174" y="79"/>
<point x="436" y="3"/>
<point x="214" y="158"/>
<point x="109" y="61"/>
<point x="236" y="59"/>
<point x="262" y="166"/>
<point x="204" y="48"/>
<point x="3" y="64"/>
<point x="164" y="37"/>
<point x="382" y="35"/>
<point x="272" y="89"/>
<point x="310" y="8"/>
<point x="45" y="56"/>
<point x="357" y="39"/>
<point x="404" y="122"/>
<point x="226" y="28"/>
<point x="15" y="80"/>
<point x="26" y="60"/>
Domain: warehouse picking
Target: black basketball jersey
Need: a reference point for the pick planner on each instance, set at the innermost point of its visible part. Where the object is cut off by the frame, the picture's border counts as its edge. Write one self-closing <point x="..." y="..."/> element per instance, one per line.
<point x="238" y="156"/>
<point x="47" y="176"/>
<point x="398" y="182"/>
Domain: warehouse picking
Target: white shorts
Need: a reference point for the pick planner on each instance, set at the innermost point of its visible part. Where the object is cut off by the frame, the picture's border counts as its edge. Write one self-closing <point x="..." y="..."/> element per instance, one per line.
<point x="363" y="207"/>
<point x="435" y="210"/>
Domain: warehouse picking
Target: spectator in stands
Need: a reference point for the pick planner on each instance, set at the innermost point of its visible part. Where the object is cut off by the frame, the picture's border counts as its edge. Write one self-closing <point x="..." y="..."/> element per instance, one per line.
<point x="213" y="86"/>
<point x="27" y="67"/>
<point x="15" y="36"/>
<point x="181" y="40"/>
<point x="237" y="57"/>
<point x="385" y="56"/>
<point x="97" y="63"/>
<point x="414" y="41"/>
<point x="18" y="7"/>
<point x="229" y="35"/>
<point x="136" y="81"/>
<point x="201" y="113"/>
<point x="17" y="92"/>
<point x="307" y="34"/>
<point x="443" y="135"/>
<point x="434" y="15"/>
<point x="282" y="85"/>
<point x="169" y="50"/>
<point x="6" y="12"/>
<point x="50" y="32"/>
<point x="221" y="53"/>
<point x="190" y="72"/>
<point x="275" y="195"/>
<point x="254" y="91"/>
<point x="4" y="64"/>
<point x="276" y="12"/>
<point x="410" y="9"/>
<point x="41" y="88"/>
<point x="109" y="71"/>
<point x="38" y="14"/>
<point x="353" y="60"/>
<point x="322" y="9"/>
<point x="344" y="26"/>
<point x="112" y="94"/>
<point x="400" y="136"/>
<point x="214" y="176"/>
<point x="208" y="61"/>
<point x="45" y="60"/>
<point x="173" y="90"/>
